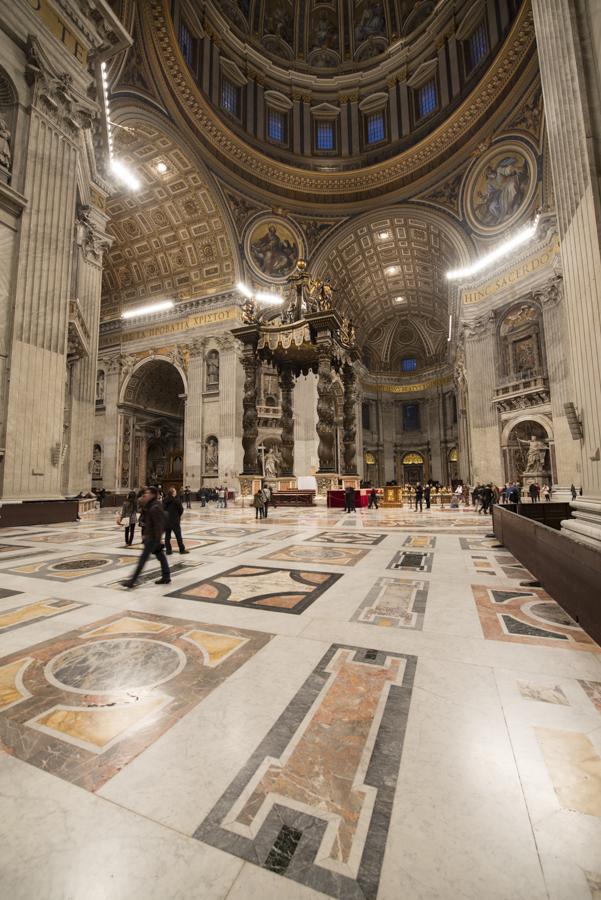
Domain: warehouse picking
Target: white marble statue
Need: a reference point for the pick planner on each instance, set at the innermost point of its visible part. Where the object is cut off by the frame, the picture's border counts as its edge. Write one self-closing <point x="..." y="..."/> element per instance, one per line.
<point x="537" y="450"/>
<point x="271" y="464"/>
<point x="5" y="158"/>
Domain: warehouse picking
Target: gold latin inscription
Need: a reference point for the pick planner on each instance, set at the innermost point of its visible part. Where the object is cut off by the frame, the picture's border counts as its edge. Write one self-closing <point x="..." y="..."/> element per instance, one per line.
<point x="59" y="29"/>
<point x="515" y="274"/>
<point x="197" y="321"/>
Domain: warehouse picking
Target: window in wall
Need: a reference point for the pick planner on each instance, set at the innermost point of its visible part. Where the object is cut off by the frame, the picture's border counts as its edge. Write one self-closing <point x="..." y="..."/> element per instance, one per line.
<point x="409" y="364"/>
<point x="366" y="415"/>
<point x="375" y="126"/>
<point x="477" y="46"/>
<point x="325" y="136"/>
<point x="230" y="97"/>
<point x="276" y="126"/>
<point x="411" y="417"/>
<point x="186" y="43"/>
<point x="427" y="99"/>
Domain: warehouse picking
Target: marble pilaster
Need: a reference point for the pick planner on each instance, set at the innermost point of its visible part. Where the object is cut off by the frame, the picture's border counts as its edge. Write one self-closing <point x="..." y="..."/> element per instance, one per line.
<point x="193" y="419"/>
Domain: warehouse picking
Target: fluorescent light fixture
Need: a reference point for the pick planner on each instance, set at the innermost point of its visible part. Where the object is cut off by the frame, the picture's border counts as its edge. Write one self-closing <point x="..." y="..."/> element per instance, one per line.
<point x="399" y="300"/>
<point x="503" y="249"/>
<point x="383" y="235"/>
<point x="161" y="168"/>
<point x="265" y="297"/>
<point x="450" y="327"/>
<point x="392" y="270"/>
<point x="125" y="175"/>
<point x="148" y="309"/>
<point x="244" y="290"/>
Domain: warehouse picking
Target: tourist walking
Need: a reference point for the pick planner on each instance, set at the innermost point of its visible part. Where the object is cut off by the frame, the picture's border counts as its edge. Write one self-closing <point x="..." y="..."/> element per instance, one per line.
<point x="373" y="499"/>
<point x="267" y="495"/>
<point x="188" y="497"/>
<point x="258" y="504"/>
<point x="427" y="491"/>
<point x="573" y="491"/>
<point x="153" y="522"/>
<point x="174" y="508"/>
<point x="419" y="496"/>
<point x="349" y="500"/>
<point x="546" y="493"/>
<point x="128" y="516"/>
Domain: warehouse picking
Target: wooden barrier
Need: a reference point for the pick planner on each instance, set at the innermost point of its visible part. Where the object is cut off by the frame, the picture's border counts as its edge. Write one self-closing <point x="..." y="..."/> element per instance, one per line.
<point x="38" y="512"/>
<point x="569" y="571"/>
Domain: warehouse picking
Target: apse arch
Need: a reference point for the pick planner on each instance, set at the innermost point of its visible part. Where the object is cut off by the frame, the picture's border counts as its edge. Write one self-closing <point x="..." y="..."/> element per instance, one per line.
<point x="131" y="384"/>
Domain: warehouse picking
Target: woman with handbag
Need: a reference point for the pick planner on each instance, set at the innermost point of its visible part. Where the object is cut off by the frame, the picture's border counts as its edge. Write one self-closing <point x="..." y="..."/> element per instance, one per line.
<point x="128" y="517"/>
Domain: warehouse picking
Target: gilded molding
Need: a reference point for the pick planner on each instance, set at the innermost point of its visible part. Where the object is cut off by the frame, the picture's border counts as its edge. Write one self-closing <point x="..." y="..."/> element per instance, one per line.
<point x="233" y="151"/>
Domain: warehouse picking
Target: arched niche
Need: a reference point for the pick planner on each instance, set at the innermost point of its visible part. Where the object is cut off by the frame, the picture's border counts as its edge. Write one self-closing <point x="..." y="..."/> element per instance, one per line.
<point x="521" y="342"/>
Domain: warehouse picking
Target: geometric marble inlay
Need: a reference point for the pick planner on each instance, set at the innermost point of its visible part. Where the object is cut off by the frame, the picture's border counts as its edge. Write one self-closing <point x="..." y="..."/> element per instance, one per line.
<point x="336" y="556"/>
<point x="394" y="603"/>
<point x="33" y="612"/>
<point x="420" y="541"/>
<point x="84" y="704"/>
<point x="258" y="587"/>
<point x="592" y="689"/>
<point x="69" y="568"/>
<point x="365" y="538"/>
<point x="313" y="802"/>
<point x="411" y="561"/>
<point x="528" y="616"/>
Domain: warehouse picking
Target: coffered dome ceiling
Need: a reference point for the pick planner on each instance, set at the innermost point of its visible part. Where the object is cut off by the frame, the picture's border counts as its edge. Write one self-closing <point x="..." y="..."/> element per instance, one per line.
<point x="325" y="34"/>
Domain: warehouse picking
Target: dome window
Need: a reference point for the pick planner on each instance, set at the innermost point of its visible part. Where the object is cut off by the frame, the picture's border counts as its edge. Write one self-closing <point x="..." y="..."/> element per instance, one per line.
<point x="409" y="364"/>
<point x="427" y="99"/>
<point x="277" y="126"/>
<point x="230" y="97"/>
<point x="325" y="138"/>
<point x="375" y="127"/>
<point x="476" y="46"/>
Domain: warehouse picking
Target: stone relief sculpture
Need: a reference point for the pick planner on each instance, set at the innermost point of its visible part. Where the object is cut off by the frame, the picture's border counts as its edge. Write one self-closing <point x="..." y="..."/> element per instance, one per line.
<point x="97" y="463"/>
<point x="212" y="365"/>
<point x="5" y="137"/>
<point x="212" y="456"/>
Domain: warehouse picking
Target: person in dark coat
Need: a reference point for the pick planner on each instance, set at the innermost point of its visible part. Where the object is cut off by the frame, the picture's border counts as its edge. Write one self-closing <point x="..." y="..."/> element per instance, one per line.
<point x="153" y="522"/>
<point x="129" y="512"/>
<point x="373" y="499"/>
<point x="427" y="492"/>
<point x="349" y="500"/>
<point x="188" y="497"/>
<point x="174" y="508"/>
<point x="419" y="494"/>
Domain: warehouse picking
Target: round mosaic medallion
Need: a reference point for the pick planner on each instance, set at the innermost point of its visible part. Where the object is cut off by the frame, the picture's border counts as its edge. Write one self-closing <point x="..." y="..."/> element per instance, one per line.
<point x="121" y="664"/>
<point x="272" y="247"/>
<point x="552" y="613"/>
<point x="500" y="187"/>
<point x="74" y="565"/>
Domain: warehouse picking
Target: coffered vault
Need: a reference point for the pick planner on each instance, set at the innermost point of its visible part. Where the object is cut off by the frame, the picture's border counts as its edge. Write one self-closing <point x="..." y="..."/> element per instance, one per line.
<point x="171" y="237"/>
<point x="389" y="273"/>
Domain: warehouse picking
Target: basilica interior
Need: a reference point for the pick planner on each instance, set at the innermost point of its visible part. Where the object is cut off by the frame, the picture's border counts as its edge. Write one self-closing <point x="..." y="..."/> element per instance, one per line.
<point x="330" y="272"/>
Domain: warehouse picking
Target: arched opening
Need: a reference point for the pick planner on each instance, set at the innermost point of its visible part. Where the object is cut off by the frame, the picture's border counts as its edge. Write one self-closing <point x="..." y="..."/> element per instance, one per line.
<point x="152" y="434"/>
<point x="412" y="468"/>
<point x="528" y="453"/>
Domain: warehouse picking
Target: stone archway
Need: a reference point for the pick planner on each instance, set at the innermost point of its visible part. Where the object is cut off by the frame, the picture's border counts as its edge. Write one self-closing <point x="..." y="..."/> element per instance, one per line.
<point x="151" y="425"/>
<point x="516" y="447"/>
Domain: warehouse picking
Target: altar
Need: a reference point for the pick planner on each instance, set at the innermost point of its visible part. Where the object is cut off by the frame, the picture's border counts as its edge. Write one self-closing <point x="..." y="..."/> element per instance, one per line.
<point x="293" y="498"/>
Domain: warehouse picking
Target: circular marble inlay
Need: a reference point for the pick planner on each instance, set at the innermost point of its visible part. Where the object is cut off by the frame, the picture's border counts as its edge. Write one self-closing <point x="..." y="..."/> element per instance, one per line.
<point x="76" y="564"/>
<point x="120" y="664"/>
<point x="553" y="613"/>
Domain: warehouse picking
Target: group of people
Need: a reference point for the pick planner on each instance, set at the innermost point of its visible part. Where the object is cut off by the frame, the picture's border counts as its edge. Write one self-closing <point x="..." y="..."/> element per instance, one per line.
<point x="159" y="517"/>
<point x="262" y="500"/>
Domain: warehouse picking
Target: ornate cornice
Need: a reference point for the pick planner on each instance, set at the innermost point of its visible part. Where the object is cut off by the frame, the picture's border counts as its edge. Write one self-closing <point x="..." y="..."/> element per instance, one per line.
<point x="232" y="153"/>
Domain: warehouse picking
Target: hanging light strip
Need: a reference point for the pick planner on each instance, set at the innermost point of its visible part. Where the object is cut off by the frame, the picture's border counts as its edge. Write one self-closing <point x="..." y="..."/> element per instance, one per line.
<point x="148" y="309"/>
<point x="522" y="237"/>
<point x="119" y="169"/>
<point x="259" y="296"/>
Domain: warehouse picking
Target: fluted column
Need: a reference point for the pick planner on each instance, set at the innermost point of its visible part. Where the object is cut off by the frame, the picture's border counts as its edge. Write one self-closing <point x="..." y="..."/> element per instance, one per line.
<point x="228" y="395"/>
<point x="110" y="454"/>
<point x="250" y="431"/>
<point x="565" y="36"/>
<point x="349" y="420"/>
<point x="193" y="417"/>
<point x="287" y="421"/>
<point x="325" y="409"/>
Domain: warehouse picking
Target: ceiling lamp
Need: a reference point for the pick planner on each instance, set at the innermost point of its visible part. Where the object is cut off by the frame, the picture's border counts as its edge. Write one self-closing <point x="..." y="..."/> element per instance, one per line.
<point x="119" y="169"/>
<point x="522" y="237"/>
<point x="383" y="235"/>
<point x="259" y="296"/>
<point x="161" y="168"/>
<point x="148" y="309"/>
<point x="125" y="175"/>
<point x="400" y="300"/>
<point x="392" y="270"/>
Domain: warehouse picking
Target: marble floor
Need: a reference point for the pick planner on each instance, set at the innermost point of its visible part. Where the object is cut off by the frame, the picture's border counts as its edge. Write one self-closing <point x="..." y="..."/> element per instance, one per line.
<point x="373" y="705"/>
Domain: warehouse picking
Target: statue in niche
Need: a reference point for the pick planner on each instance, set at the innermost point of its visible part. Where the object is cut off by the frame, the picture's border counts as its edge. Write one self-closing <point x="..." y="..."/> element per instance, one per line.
<point x="5" y="136"/>
<point x="212" y="370"/>
<point x="100" y="386"/>
<point x="272" y="464"/>
<point x="97" y="463"/>
<point x="212" y="456"/>
<point x="537" y="451"/>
